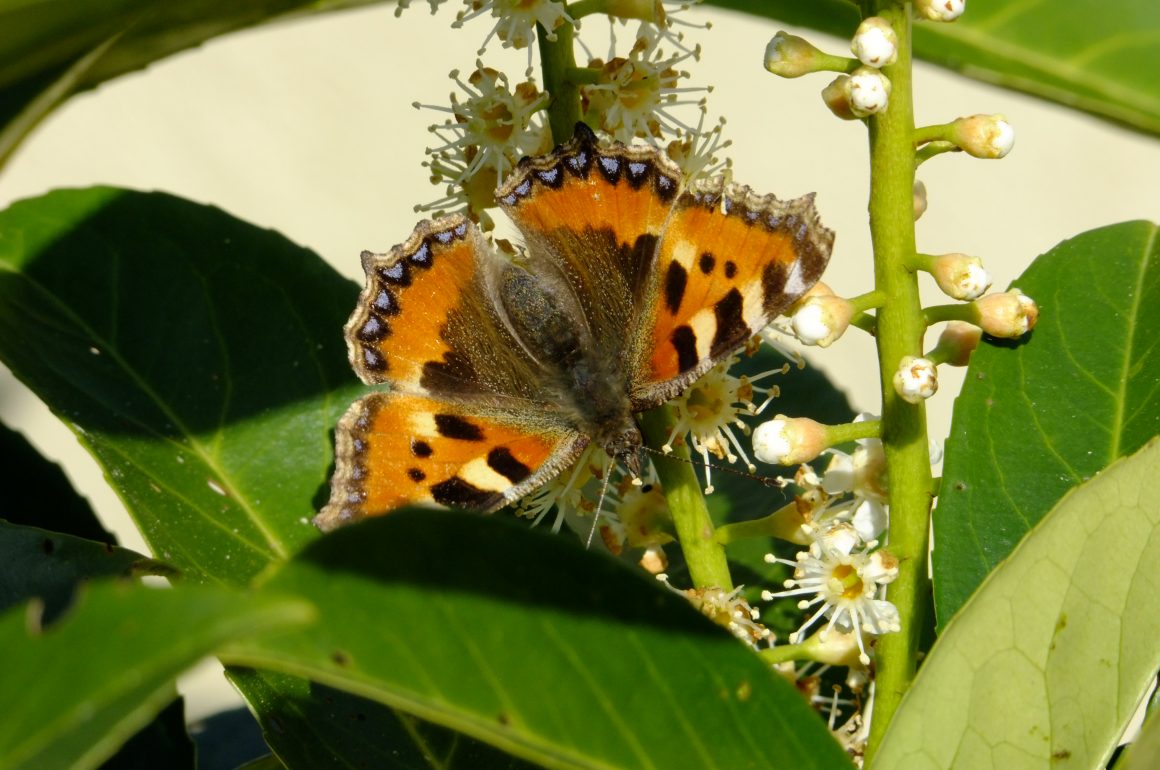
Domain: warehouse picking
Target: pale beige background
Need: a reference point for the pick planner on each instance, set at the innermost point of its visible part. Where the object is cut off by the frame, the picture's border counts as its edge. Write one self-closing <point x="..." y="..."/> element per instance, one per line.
<point x="307" y="128"/>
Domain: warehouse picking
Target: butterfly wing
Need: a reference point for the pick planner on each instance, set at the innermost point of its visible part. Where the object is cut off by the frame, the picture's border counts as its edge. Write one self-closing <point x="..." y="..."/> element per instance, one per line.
<point x="729" y="261"/>
<point x="465" y="422"/>
<point x="671" y="280"/>
<point x="591" y="217"/>
<point x="395" y="449"/>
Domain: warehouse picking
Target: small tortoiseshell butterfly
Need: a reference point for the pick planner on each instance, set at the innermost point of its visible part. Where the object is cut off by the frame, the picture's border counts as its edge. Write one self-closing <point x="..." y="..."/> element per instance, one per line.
<point x="502" y="370"/>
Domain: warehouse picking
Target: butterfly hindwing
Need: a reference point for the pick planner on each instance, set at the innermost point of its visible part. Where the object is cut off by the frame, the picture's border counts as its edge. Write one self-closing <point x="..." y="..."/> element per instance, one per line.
<point x="394" y="449"/>
<point x="427" y="325"/>
<point x="728" y="263"/>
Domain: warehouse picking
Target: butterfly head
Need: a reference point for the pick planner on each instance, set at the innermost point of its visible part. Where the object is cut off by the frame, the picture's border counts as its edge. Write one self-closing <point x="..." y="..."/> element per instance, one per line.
<point x="624" y="446"/>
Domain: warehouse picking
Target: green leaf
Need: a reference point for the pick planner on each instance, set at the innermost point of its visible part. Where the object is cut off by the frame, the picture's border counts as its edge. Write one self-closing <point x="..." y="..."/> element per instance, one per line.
<point x="163" y="742"/>
<point x="310" y="725"/>
<point x="52" y="49"/>
<point x="1144" y="753"/>
<point x="1084" y="54"/>
<point x="558" y="655"/>
<point x="1038" y="418"/>
<point x="44" y="497"/>
<point x="1048" y="661"/>
<point x="72" y="693"/>
<point x="50" y="566"/>
<point x="197" y="357"/>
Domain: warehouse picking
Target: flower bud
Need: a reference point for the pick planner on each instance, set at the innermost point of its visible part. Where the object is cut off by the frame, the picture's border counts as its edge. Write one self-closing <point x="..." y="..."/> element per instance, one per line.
<point x="960" y="276"/>
<point x="984" y="136"/>
<point x="919" y="199"/>
<point x="957" y="341"/>
<point x="875" y="43"/>
<point x="822" y="318"/>
<point x="790" y="56"/>
<point x="940" y="10"/>
<point x="1007" y="315"/>
<point x="916" y="379"/>
<point x="834" y="648"/>
<point x="869" y="92"/>
<point x="788" y="441"/>
<point x="837" y="97"/>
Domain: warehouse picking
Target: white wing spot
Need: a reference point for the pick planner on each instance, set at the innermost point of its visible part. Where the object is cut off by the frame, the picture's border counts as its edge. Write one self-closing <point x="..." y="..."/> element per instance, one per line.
<point x="794" y="283"/>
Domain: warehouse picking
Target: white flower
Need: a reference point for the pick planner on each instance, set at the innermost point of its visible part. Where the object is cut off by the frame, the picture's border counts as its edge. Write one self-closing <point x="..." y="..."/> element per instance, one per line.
<point x="916" y="379"/>
<point x="488" y="132"/>
<point x="728" y="609"/>
<point x="405" y="4"/>
<point x="788" y="441"/>
<point x="710" y="410"/>
<point x="820" y="319"/>
<point x="957" y="341"/>
<point x="634" y="96"/>
<point x="919" y="199"/>
<point x="696" y="153"/>
<point x="1008" y="315"/>
<point x="844" y="581"/>
<point x="984" y="136"/>
<point x="869" y="92"/>
<point x="790" y="56"/>
<point x="863" y="476"/>
<point x="940" y="10"/>
<point x="564" y="493"/>
<point x="875" y="43"/>
<point x="517" y="21"/>
<point x="960" y="276"/>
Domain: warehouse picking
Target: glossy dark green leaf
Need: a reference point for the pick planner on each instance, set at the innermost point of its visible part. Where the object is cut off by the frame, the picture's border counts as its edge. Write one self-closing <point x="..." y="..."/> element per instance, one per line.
<point x="50" y="566"/>
<point x="310" y="725"/>
<point x="559" y="655"/>
<point x="1086" y="54"/>
<point x="63" y="708"/>
<point x="52" y="49"/>
<point x="1040" y="417"/>
<point x="163" y="742"/>
<point x="199" y="358"/>
<point x="41" y="496"/>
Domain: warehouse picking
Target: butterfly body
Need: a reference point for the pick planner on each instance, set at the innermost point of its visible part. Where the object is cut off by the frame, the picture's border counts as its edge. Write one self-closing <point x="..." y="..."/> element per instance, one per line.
<point x="503" y="370"/>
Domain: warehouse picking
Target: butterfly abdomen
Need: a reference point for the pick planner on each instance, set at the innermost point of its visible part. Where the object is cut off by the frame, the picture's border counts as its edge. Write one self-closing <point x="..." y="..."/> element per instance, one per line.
<point x="588" y="384"/>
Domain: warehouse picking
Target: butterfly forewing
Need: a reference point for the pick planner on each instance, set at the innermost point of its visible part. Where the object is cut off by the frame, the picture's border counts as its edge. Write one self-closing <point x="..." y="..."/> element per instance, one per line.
<point x="729" y="262"/>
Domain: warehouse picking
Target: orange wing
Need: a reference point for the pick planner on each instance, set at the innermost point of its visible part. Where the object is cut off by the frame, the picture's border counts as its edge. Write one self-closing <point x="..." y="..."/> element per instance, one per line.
<point x="467" y="421"/>
<point x="591" y="217"/>
<point x="729" y="262"/>
<point x="395" y="449"/>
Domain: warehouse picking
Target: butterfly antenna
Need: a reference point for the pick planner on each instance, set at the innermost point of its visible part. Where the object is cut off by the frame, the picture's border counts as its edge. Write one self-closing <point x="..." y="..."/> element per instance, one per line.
<point x="772" y="482"/>
<point x="600" y="504"/>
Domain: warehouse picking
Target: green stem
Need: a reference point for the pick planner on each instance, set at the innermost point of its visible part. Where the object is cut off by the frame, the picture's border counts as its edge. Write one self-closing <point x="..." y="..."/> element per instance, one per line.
<point x="704" y="556"/>
<point x="900" y="329"/>
<point x="557" y="62"/>
<point x="852" y="431"/>
<point x="943" y="132"/>
<point x="866" y="322"/>
<point x="785" y="523"/>
<point x="868" y="301"/>
<point x="931" y="149"/>
<point x="784" y="653"/>
<point x="963" y="311"/>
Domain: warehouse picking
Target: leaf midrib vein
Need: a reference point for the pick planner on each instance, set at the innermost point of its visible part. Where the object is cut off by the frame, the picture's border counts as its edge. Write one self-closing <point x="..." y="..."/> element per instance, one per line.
<point x="194" y="443"/>
<point x="1129" y="342"/>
